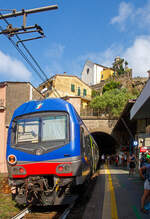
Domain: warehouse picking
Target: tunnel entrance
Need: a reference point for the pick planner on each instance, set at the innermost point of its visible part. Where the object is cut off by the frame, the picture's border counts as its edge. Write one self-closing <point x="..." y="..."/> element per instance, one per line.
<point x="106" y="143"/>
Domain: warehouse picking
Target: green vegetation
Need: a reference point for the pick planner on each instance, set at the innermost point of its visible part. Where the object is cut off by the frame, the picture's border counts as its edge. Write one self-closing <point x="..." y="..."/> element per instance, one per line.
<point x="7" y="206"/>
<point x="135" y="91"/>
<point x="111" y="85"/>
<point x="120" y="67"/>
<point x="95" y="93"/>
<point x="114" y="98"/>
<point x="112" y="102"/>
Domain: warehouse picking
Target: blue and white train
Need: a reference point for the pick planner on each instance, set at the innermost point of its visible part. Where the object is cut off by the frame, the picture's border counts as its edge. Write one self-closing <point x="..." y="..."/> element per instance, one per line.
<point x="49" y="149"/>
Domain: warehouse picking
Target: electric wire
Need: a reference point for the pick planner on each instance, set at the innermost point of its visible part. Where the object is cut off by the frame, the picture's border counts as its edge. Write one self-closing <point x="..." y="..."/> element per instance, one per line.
<point x="23" y="55"/>
<point x="32" y="57"/>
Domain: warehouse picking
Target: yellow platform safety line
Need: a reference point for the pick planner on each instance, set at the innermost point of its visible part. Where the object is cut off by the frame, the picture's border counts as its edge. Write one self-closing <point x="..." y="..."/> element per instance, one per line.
<point x="114" y="213"/>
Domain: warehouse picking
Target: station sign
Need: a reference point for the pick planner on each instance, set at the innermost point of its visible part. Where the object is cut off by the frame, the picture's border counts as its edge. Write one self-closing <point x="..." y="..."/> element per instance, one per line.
<point x="144" y="149"/>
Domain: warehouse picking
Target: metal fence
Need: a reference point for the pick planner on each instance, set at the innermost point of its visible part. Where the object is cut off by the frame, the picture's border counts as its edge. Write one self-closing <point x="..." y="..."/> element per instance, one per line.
<point x="91" y="112"/>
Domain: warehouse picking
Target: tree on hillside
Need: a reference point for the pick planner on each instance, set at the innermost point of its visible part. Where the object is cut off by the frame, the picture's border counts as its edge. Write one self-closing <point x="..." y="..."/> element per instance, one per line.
<point x="112" y="102"/>
<point x="95" y="93"/>
<point x="111" y="85"/>
<point x="120" y="67"/>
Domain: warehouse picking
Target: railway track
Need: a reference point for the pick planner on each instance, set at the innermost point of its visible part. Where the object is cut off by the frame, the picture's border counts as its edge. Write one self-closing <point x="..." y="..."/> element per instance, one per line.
<point x="21" y="214"/>
<point x="55" y="212"/>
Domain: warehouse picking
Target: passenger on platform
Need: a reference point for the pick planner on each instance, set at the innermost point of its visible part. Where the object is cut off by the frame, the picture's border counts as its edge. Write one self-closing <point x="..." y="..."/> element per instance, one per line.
<point x="143" y="160"/>
<point x="125" y="160"/>
<point x="116" y="160"/>
<point x="122" y="161"/>
<point x="146" y="193"/>
<point x="132" y="164"/>
<point x="103" y="158"/>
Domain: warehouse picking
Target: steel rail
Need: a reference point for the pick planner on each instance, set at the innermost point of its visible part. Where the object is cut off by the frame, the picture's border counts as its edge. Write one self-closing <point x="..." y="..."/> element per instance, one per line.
<point x="21" y="214"/>
<point x="64" y="215"/>
<point x="67" y="211"/>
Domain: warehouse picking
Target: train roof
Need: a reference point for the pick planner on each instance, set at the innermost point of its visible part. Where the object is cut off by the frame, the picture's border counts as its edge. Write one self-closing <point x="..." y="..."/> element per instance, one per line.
<point x="35" y="106"/>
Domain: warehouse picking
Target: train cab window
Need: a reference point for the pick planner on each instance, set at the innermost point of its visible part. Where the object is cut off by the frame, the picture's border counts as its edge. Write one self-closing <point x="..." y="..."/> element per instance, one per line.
<point x="54" y="128"/>
<point x="47" y="129"/>
<point x="27" y="130"/>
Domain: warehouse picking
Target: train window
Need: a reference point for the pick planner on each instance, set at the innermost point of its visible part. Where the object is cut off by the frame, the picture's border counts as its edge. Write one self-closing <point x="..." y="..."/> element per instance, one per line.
<point x="88" y="147"/>
<point x="50" y="128"/>
<point x="54" y="128"/>
<point x="27" y="130"/>
<point x="82" y="137"/>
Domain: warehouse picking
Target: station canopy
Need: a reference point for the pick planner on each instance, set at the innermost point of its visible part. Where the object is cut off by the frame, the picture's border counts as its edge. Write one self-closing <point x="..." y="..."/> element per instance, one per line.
<point x="141" y="108"/>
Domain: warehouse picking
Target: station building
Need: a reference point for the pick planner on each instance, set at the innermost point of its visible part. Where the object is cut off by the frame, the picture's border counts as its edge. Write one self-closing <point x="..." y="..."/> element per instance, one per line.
<point x="134" y="125"/>
<point x="140" y="112"/>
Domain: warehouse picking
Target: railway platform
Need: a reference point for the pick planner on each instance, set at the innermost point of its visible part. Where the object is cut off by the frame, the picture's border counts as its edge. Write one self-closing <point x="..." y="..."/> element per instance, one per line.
<point x="115" y="195"/>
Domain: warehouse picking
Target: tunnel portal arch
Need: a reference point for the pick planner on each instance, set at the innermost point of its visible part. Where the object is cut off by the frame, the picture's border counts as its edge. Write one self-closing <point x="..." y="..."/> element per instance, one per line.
<point x="107" y="143"/>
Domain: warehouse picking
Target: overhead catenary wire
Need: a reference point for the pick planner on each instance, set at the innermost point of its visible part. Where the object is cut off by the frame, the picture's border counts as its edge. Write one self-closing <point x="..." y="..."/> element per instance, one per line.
<point x="32" y="57"/>
<point x="24" y="56"/>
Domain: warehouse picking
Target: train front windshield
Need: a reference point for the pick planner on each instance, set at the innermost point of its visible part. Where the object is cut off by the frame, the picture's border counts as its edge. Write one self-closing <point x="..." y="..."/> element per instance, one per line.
<point x="48" y="128"/>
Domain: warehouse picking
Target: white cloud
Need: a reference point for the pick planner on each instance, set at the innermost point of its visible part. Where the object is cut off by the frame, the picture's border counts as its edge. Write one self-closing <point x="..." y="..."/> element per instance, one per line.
<point x="105" y="58"/>
<point x="143" y="15"/>
<point x="129" y="16"/>
<point x="138" y="56"/>
<point x="125" y="11"/>
<point x="13" y="69"/>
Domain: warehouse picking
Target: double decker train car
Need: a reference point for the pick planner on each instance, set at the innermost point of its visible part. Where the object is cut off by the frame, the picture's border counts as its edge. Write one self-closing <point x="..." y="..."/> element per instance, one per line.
<point x="49" y="151"/>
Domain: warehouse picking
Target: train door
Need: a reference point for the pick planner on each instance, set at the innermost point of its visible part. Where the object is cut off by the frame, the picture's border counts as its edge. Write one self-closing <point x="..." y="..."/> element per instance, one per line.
<point x="85" y="151"/>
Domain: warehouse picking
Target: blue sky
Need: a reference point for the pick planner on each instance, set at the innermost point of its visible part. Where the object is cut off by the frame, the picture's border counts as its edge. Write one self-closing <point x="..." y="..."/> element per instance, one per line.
<point x="96" y="30"/>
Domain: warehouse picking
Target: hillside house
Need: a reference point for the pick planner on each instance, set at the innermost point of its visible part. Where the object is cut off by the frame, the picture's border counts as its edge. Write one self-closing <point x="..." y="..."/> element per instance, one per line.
<point x="94" y="73"/>
<point x="68" y="87"/>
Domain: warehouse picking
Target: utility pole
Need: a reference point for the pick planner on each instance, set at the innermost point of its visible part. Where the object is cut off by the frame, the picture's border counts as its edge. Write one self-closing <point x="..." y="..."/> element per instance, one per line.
<point x="10" y="31"/>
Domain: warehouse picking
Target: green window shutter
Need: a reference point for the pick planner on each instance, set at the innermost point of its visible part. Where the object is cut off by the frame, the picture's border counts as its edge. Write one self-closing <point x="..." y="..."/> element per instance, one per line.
<point x="84" y="92"/>
<point x="72" y="88"/>
<point x="79" y="91"/>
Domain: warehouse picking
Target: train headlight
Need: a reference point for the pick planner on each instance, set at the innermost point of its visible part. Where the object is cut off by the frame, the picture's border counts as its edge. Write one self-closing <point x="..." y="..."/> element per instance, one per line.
<point x="64" y="168"/>
<point x="60" y="168"/>
<point x="12" y="160"/>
